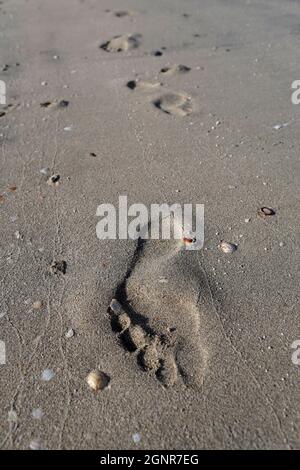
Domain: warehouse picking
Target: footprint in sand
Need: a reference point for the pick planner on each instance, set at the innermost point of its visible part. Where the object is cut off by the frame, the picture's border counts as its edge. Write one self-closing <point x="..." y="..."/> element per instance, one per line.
<point x="178" y="104"/>
<point x="122" y="43"/>
<point x="143" y="85"/>
<point x="155" y="313"/>
<point x="175" y="69"/>
<point x="123" y="13"/>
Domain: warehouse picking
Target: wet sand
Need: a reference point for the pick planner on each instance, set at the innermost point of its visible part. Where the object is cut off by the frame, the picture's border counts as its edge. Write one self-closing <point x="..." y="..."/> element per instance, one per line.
<point x="202" y="356"/>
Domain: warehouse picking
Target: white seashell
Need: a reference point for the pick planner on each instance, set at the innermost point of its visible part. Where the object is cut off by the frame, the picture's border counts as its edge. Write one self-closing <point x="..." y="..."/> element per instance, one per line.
<point x="227" y="247"/>
<point x="70" y="333"/>
<point x="47" y="375"/>
<point x="37" y="413"/>
<point x="136" y="437"/>
<point x="97" y="380"/>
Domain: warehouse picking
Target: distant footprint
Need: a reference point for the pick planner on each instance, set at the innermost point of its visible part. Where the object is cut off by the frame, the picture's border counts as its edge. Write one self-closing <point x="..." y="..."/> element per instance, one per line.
<point x="142" y="85"/>
<point x="122" y="43"/>
<point x="178" y="104"/>
<point x="155" y="313"/>
<point x="174" y="69"/>
<point x="123" y="13"/>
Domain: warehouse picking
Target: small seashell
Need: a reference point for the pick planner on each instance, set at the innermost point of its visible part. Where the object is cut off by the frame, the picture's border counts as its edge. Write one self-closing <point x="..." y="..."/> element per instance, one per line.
<point x="37" y="413"/>
<point x="37" y="304"/>
<point x="227" y="247"/>
<point x="70" y="333"/>
<point x="266" y="212"/>
<point x="136" y="437"/>
<point x="47" y="375"/>
<point x="97" y="380"/>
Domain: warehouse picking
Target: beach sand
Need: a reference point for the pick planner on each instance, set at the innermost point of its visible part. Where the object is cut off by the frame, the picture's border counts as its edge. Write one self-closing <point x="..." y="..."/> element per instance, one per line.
<point x="207" y="359"/>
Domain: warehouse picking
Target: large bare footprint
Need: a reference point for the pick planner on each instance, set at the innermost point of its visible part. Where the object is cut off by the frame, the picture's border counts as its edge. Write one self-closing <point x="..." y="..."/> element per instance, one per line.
<point x="155" y="312"/>
<point x="178" y="104"/>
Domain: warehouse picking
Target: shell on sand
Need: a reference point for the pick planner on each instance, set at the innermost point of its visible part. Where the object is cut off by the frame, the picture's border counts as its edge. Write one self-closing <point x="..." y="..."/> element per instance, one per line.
<point x="97" y="380"/>
<point x="227" y="247"/>
<point x="266" y="212"/>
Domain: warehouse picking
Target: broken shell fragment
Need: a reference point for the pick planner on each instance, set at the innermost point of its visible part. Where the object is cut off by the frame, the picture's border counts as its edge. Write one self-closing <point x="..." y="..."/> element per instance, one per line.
<point x="266" y="212"/>
<point x="227" y="247"/>
<point x="97" y="380"/>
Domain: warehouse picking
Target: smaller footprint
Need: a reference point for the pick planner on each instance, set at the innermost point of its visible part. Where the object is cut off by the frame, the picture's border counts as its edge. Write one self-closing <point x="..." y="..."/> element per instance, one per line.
<point x="174" y="69"/>
<point x="178" y="104"/>
<point x="142" y="85"/>
<point x="122" y="43"/>
<point x="123" y="13"/>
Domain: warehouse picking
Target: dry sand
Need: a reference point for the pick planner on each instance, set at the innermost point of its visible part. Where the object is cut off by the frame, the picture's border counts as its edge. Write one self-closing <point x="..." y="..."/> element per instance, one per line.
<point x="204" y="135"/>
